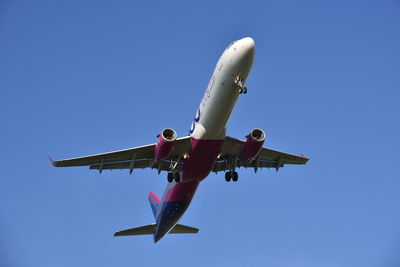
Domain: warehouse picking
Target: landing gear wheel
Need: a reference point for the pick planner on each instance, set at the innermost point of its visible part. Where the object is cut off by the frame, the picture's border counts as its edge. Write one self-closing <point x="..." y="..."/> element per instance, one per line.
<point x="235" y="176"/>
<point x="228" y="176"/>
<point x="170" y="177"/>
<point x="244" y="90"/>
<point x="177" y="177"/>
<point x="240" y="90"/>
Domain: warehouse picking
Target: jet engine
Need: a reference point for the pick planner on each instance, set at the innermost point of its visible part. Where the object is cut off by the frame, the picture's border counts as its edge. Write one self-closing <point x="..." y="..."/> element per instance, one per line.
<point x="253" y="145"/>
<point x="165" y="144"/>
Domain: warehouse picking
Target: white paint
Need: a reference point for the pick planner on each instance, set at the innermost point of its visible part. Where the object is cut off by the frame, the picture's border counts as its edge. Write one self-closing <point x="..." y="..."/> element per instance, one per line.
<point x="221" y="93"/>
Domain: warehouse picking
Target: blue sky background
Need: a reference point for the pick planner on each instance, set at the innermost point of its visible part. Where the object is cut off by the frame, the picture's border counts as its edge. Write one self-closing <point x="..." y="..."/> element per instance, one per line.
<point x="84" y="77"/>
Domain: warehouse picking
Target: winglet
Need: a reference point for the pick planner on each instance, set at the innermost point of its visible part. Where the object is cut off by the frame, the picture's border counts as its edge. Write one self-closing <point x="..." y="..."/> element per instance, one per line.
<point x="306" y="159"/>
<point x="52" y="162"/>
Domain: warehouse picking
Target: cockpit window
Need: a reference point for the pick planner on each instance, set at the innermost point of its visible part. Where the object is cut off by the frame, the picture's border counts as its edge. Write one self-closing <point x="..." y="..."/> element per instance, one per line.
<point x="230" y="45"/>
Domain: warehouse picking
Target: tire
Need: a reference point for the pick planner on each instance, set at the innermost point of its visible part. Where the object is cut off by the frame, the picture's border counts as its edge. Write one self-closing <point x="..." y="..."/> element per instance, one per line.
<point x="228" y="176"/>
<point x="240" y="91"/>
<point x="177" y="177"/>
<point x="245" y="90"/>
<point x="170" y="177"/>
<point x="235" y="176"/>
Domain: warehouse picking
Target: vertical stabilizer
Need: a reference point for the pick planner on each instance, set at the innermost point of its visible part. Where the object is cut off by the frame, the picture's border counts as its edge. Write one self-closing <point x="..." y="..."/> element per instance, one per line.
<point x="154" y="201"/>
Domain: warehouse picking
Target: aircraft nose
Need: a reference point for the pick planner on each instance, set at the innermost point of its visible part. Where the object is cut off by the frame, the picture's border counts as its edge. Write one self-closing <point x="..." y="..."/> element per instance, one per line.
<point x="248" y="46"/>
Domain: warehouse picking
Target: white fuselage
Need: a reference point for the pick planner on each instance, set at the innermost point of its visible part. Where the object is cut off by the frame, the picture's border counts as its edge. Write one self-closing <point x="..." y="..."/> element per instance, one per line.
<point x="207" y="132"/>
<point x="221" y="93"/>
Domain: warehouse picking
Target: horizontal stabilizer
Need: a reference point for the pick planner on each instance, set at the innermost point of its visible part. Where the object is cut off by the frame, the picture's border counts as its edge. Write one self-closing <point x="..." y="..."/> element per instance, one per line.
<point x="142" y="230"/>
<point x="183" y="229"/>
<point x="150" y="229"/>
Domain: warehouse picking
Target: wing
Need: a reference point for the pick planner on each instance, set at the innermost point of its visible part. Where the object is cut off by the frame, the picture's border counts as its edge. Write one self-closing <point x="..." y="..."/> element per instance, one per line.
<point x="232" y="151"/>
<point x="133" y="158"/>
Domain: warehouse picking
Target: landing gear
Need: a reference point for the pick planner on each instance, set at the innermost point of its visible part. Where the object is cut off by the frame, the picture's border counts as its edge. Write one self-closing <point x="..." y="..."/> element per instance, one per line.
<point x="170" y="177"/>
<point x="173" y="177"/>
<point x="235" y="176"/>
<point x="177" y="177"/>
<point x="243" y="90"/>
<point x="238" y="80"/>
<point x="228" y="176"/>
<point x="231" y="176"/>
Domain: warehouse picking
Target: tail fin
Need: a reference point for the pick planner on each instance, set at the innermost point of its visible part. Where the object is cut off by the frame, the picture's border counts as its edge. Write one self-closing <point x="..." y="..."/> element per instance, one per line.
<point x="154" y="201"/>
<point x="150" y="229"/>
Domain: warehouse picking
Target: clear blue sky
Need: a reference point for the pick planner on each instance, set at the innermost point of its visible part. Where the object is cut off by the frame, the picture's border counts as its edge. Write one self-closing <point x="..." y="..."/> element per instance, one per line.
<point x="84" y="77"/>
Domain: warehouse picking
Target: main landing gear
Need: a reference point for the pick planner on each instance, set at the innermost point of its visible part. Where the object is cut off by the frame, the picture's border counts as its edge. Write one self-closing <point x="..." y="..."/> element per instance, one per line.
<point x="173" y="176"/>
<point x="238" y="80"/>
<point x="231" y="176"/>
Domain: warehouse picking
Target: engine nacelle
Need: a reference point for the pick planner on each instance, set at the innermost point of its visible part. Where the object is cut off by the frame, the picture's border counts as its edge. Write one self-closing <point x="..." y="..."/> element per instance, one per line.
<point x="165" y="144"/>
<point x="253" y="145"/>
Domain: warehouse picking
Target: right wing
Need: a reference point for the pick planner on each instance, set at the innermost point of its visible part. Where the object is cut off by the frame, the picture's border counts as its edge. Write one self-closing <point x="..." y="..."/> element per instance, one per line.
<point x="133" y="158"/>
<point x="232" y="151"/>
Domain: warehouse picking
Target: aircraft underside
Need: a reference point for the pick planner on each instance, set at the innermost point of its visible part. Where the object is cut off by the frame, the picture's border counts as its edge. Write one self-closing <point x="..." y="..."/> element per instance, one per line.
<point x="188" y="160"/>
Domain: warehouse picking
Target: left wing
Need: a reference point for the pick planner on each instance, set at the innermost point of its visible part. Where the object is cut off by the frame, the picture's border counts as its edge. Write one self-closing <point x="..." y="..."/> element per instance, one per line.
<point x="232" y="151"/>
<point x="133" y="158"/>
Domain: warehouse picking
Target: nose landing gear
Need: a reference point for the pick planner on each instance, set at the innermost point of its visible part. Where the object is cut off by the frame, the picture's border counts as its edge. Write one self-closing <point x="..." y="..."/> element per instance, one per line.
<point x="244" y="90"/>
<point x="239" y="81"/>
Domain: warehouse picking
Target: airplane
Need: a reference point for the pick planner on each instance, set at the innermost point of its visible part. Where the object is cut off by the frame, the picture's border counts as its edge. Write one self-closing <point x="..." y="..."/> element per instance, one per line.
<point x="189" y="160"/>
